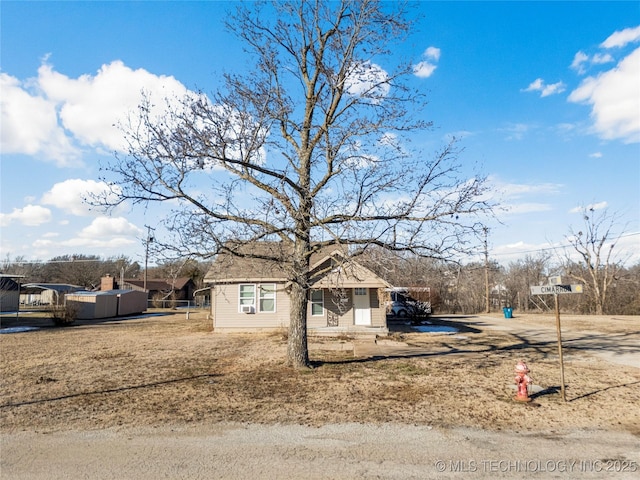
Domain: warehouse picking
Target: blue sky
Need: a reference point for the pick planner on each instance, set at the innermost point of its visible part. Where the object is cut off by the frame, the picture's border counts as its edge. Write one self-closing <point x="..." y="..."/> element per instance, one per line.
<point x="545" y="97"/>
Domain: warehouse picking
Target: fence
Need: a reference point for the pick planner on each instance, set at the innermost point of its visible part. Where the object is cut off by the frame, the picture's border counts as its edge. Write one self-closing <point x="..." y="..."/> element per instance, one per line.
<point x="168" y="303"/>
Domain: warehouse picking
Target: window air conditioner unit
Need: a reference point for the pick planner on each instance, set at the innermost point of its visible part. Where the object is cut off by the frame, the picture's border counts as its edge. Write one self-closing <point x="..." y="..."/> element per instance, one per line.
<point x="246" y="308"/>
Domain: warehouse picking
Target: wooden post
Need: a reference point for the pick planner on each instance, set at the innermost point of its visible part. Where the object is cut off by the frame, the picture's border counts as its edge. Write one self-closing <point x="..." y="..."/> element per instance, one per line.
<point x="564" y="398"/>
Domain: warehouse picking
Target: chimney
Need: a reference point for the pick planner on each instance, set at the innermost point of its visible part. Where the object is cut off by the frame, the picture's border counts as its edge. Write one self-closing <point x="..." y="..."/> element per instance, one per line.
<point x="107" y="283"/>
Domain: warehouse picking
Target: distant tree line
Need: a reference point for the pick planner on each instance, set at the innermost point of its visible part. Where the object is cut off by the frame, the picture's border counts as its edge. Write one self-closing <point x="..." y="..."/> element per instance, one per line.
<point x="455" y="288"/>
<point x="610" y="287"/>
<point x="461" y="288"/>
<point x="87" y="270"/>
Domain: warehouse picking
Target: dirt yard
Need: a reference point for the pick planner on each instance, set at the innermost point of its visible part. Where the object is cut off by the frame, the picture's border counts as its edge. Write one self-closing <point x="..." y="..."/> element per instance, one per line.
<point x="169" y="370"/>
<point x="165" y="397"/>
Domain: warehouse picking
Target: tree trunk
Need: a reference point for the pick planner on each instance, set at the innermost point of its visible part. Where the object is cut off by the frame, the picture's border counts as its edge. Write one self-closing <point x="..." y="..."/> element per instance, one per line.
<point x="297" y="350"/>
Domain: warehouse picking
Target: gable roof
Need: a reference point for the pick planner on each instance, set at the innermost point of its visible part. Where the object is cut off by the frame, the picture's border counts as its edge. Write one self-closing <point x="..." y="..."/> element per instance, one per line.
<point x="330" y="267"/>
<point x="252" y="264"/>
<point x="158" y="284"/>
<point x="339" y="271"/>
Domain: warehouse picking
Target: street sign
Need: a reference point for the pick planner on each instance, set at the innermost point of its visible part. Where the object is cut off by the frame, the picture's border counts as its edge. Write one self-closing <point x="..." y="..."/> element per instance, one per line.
<point x="555" y="289"/>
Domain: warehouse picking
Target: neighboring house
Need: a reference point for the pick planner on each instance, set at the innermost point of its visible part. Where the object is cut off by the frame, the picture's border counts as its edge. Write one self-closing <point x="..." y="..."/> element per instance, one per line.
<point x="180" y="289"/>
<point x="250" y="294"/>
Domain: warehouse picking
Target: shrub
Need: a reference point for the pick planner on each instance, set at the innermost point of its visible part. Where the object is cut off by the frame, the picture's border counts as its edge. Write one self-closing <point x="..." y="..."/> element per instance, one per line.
<point x="63" y="315"/>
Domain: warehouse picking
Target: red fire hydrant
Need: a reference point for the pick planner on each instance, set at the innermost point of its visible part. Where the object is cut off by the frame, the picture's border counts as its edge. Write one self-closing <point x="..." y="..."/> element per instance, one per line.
<point x="522" y="381"/>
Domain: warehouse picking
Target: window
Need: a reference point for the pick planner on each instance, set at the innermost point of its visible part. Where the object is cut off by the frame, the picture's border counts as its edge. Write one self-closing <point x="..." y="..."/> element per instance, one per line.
<point x="261" y="297"/>
<point x="317" y="302"/>
<point x="268" y="298"/>
<point x="247" y="296"/>
<point x="360" y="291"/>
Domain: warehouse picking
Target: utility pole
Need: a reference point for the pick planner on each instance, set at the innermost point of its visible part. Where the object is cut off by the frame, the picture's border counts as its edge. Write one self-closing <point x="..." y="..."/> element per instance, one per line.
<point x="486" y="269"/>
<point x="146" y="255"/>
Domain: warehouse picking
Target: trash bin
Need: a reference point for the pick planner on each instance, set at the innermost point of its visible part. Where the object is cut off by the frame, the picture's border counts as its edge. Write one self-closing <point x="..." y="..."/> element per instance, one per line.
<point x="508" y="312"/>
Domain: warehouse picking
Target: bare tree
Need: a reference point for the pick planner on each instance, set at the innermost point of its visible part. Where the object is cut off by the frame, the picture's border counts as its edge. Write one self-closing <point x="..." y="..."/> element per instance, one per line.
<point x="597" y="266"/>
<point x="310" y="148"/>
<point x="524" y="273"/>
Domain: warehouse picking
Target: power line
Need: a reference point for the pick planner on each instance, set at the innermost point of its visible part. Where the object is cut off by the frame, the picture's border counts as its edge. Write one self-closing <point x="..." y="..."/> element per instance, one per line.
<point x="555" y="247"/>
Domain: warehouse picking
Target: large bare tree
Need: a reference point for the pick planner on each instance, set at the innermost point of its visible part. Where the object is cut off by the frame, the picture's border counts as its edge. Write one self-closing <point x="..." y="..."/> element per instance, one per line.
<point x="309" y="148"/>
<point x="598" y="263"/>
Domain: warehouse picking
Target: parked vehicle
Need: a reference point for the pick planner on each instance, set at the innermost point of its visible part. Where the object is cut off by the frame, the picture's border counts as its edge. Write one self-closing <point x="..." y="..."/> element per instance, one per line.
<point x="402" y="305"/>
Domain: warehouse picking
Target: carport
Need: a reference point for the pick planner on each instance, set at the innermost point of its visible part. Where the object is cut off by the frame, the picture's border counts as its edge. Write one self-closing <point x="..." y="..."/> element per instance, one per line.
<point x="52" y="292"/>
<point x="9" y="293"/>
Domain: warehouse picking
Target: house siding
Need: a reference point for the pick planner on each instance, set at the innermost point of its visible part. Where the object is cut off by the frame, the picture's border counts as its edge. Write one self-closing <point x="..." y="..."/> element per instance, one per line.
<point x="346" y="318"/>
<point x="330" y="272"/>
<point x="224" y="310"/>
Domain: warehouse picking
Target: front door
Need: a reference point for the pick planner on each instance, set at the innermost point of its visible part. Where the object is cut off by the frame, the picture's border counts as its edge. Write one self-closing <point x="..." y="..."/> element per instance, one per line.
<point x="361" y="308"/>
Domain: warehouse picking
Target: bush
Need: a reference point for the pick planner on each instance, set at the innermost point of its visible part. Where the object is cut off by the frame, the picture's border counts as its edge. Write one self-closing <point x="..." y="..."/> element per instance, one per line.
<point x="63" y="315"/>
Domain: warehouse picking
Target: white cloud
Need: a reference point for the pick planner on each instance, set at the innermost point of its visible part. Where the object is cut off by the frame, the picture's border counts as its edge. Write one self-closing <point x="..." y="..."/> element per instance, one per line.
<point x="31" y="216"/>
<point x="104" y="236"/>
<point x="30" y="125"/>
<point x="601" y="58"/>
<point x="553" y="89"/>
<point x="520" y="208"/>
<point x="103" y="228"/>
<point x="511" y="196"/>
<point x="368" y="80"/>
<point x="91" y="243"/>
<point x="516" y="131"/>
<point x="538" y="85"/>
<point x="520" y="198"/>
<point x="52" y="115"/>
<point x="595" y="155"/>
<point x="71" y="195"/>
<point x="516" y="190"/>
<point x="621" y="38"/>
<point x="391" y="140"/>
<point x="581" y="58"/>
<point x="459" y="135"/>
<point x="615" y="99"/>
<point x="591" y="206"/>
<point x="425" y="68"/>
<point x="42" y="243"/>
<point x="92" y="106"/>
<point x="432" y="53"/>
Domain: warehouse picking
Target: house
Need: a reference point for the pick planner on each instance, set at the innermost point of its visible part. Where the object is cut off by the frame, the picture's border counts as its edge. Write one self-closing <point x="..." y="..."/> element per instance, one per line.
<point x="181" y="288"/>
<point x="250" y="294"/>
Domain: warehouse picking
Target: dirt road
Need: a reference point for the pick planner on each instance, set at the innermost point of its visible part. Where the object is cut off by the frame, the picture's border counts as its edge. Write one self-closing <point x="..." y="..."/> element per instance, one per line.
<point x="620" y="346"/>
<point x="347" y="451"/>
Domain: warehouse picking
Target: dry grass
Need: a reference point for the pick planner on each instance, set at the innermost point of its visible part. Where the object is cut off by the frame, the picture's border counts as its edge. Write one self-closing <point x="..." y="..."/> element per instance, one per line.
<point x="169" y="370"/>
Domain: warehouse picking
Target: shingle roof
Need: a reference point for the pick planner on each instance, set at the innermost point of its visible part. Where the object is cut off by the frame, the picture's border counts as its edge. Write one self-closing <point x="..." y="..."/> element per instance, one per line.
<point x="254" y="267"/>
<point x="158" y="284"/>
